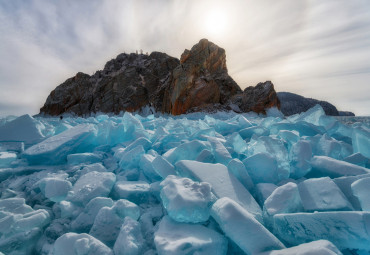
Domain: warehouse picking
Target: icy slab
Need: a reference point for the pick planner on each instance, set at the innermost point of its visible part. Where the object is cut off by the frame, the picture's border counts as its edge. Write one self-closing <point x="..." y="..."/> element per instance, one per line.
<point x="237" y="168"/>
<point x="15" y="205"/>
<point x="262" y="168"/>
<point x="85" y="220"/>
<point x="223" y="183"/>
<point x="358" y="159"/>
<point x="188" y="150"/>
<point x="22" y="129"/>
<point x="312" y="115"/>
<point x="344" y="183"/>
<point x="20" y="243"/>
<point x="137" y="192"/>
<point x="173" y="238"/>
<point x="220" y="153"/>
<point x="108" y="221"/>
<point x="237" y="143"/>
<point x="322" y="194"/>
<point x="186" y="200"/>
<point x="263" y="191"/>
<point x="361" y="141"/>
<point x="130" y="240"/>
<point x="77" y="244"/>
<point x="91" y="185"/>
<point x="84" y="158"/>
<point x="130" y="158"/>
<point x="275" y="148"/>
<point x="319" y="247"/>
<point x="146" y="165"/>
<point x="300" y="156"/>
<point x="54" y="188"/>
<point x="361" y="190"/>
<point x="241" y="227"/>
<point x="346" y="230"/>
<point x="284" y="199"/>
<point x="55" y="149"/>
<point x="12" y="146"/>
<point x="325" y="166"/>
<point x="162" y="167"/>
<point x="18" y="223"/>
<point x="6" y="158"/>
<point x="248" y="132"/>
<point x="67" y="209"/>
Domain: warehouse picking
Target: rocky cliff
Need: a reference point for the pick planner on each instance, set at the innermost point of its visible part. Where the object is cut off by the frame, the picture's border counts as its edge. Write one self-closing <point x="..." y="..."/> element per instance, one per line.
<point x="199" y="81"/>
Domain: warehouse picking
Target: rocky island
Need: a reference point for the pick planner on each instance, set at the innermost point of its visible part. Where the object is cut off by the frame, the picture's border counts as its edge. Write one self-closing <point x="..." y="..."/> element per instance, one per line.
<point x="199" y="81"/>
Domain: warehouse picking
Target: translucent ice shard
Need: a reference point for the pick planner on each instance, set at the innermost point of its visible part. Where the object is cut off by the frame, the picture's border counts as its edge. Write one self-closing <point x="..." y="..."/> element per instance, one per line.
<point x="22" y="129"/>
<point x="361" y="189"/>
<point x="54" y="150"/>
<point x="361" y="141"/>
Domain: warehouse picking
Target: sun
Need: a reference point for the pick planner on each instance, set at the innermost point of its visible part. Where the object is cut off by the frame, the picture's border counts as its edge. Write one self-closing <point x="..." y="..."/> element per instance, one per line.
<point x="215" y="22"/>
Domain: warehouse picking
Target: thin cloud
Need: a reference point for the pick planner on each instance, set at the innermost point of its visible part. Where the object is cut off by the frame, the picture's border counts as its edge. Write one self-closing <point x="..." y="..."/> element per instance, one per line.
<point x="317" y="48"/>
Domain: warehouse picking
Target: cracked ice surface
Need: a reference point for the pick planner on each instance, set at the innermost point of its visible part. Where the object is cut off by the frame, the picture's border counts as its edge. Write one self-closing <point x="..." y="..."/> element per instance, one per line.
<point x="222" y="183"/>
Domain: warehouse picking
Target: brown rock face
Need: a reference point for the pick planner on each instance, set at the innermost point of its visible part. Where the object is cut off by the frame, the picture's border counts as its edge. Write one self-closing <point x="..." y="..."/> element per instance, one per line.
<point x="198" y="82"/>
<point x="127" y="83"/>
<point x="200" y="79"/>
<point x="257" y="98"/>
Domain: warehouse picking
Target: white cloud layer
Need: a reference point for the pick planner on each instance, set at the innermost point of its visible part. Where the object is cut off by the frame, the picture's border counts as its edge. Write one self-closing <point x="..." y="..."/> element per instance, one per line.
<point x="315" y="48"/>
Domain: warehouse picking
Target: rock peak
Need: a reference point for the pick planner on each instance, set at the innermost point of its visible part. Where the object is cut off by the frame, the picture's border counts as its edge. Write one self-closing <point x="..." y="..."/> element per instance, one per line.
<point x="199" y="81"/>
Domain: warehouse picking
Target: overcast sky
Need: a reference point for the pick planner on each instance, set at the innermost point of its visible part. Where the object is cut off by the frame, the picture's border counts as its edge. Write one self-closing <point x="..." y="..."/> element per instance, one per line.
<point x="316" y="48"/>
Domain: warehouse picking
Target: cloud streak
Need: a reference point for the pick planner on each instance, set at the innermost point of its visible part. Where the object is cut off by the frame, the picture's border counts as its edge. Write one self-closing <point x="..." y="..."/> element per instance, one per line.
<point x="320" y="49"/>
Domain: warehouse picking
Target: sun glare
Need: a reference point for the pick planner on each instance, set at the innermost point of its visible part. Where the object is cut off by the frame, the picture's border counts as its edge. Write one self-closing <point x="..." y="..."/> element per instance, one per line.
<point x="215" y="22"/>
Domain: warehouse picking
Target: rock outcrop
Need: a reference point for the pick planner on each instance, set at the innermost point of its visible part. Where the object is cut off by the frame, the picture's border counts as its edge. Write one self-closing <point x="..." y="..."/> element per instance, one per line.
<point x="199" y="81"/>
<point x="257" y="98"/>
<point x="127" y="83"/>
<point x="292" y="103"/>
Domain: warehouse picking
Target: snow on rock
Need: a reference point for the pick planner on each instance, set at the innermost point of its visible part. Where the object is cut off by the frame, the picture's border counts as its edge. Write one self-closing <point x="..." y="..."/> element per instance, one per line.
<point x="22" y="129"/>
<point x="91" y="185"/>
<point x="322" y="194"/>
<point x="241" y="227"/>
<point x="223" y="183"/>
<point x="319" y="247"/>
<point x="173" y="238"/>
<point x="186" y="200"/>
<point x="55" y="149"/>
<point x="346" y="230"/>
<point x="76" y="244"/>
<point x="325" y="166"/>
<point x="361" y="190"/>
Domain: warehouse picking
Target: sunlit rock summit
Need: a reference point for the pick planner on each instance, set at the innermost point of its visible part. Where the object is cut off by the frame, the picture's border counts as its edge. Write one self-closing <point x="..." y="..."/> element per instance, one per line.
<point x="131" y="82"/>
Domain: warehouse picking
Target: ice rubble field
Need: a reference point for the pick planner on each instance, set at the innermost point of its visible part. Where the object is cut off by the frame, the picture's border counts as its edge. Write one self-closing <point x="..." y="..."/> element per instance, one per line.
<point x="194" y="184"/>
